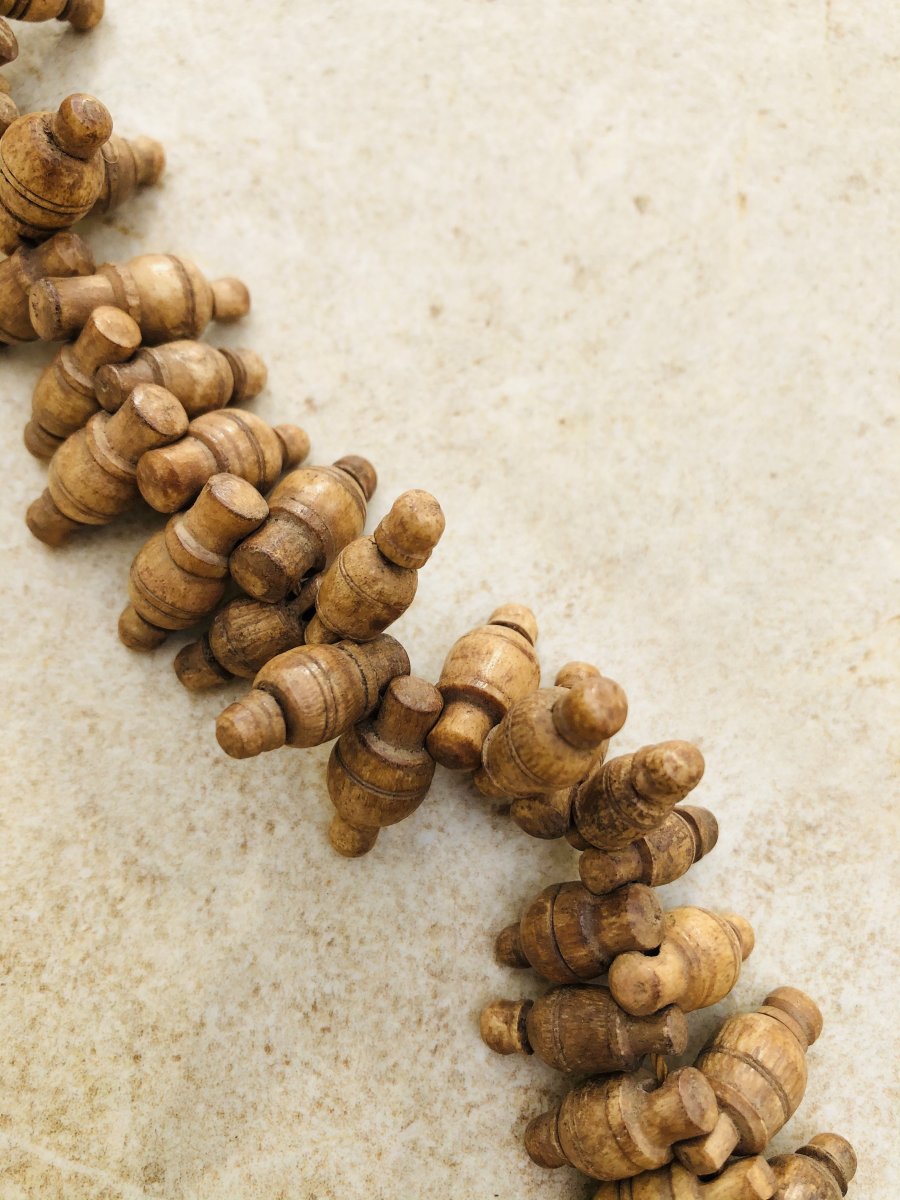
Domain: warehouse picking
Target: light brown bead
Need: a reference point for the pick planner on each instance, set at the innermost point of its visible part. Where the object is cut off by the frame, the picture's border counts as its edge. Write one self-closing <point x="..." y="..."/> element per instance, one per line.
<point x="373" y="580"/>
<point x="92" y="475"/>
<point x="569" y="936"/>
<point x="51" y="169"/>
<point x="820" y="1170"/>
<point x="168" y="297"/>
<point x="379" y="771"/>
<point x="180" y="574"/>
<point x="63" y="400"/>
<point x="82" y="15"/>
<point x="484" y="673"/>
<point x="9" y="52"/>
<point x="632" y="795"/>
<point x="697" y="964"/>
<point x="685" y="836"/>
<point x="243" y="637"/>
<point x="314" y="513"/>
<point x="549" y="738"/>
<point x="611" y="1128"/>
<point x="310" y="695"/>
<point x="751" y="1179"/>
<point x="64" y="254"/>
<point x="581" y="1029"/>
<point x="756" y="1065"/>
<point x="231" y="440"/>
<point x="128" y="164"/>
<point x="204" y="379"/>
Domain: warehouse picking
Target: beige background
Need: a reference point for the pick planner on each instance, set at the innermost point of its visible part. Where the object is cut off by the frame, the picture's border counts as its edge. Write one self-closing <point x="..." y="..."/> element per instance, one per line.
<point x="618" y="281"/>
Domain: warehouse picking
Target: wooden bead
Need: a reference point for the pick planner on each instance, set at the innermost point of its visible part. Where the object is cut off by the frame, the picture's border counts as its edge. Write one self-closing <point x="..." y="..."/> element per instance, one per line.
<point x="180" y="574"/>
<point x="685" y="836"/>
<point x="204" y="379"/>
<point x="243" y="637"/>
<point x="92" y="476"/>
<point x="310" y="695"/>
<point x="9" y="48"/>
<point x="751" y="1179"/>
<point x="314" y="513"/>
<point x="697" y="964"/>
<point x="231" y="440"/>
<point x="569" y="936"/>
<point x="128" y="164"/>
<point x="81" y="14"/>
<point x="549" y="738"/>
<point x="582" y="1029"/>
<point x="756" y="1065"/>
<point x="379" y="771"/>
<point x="629" y="796"/>
<point x="167" y="296"/>
<point x="485" y="672"/>
<point x="64" y="254"/>
<point x="51" y="170"/>
<point x="63" y="400"/>
<point x="373" y="580"/>
<point x="821" y="1170"/>
<point x="611" y="1128"/>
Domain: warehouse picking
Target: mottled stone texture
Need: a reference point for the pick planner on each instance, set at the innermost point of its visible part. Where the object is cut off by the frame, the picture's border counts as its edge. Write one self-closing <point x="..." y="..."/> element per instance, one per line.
<point x="618" y="283"/>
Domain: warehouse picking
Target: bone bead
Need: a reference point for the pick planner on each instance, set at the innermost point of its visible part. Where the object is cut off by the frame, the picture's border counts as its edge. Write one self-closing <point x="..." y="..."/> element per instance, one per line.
<point x="549" y="738"/>
<point x="51" y="169"/>
<point x="697" y="964"/>
<point x="314" y="513"/>
<point x="243" y="637"/>
<point x="82" y="15"/>
<point x="373" y="580"/>
<point x="63" y="400"/>
<point x="756" y="1065"/>
<point x="310" y="695"/>
<point x="231" y="440"/>
<point x="379" y="771"/>
<point x="180" y="574"/>
<point x="204" y="379"/>
<point x="751" y="1179"/>
<point x="581" y="1029"/>
<point x="128" y="164"/>
<point x="9" y="52"/>
<point x="685" y="836"/>
<point x="167" y="296"/>
<point x="484" y="673"/>
<point x="632" y="795"/>
<point x="821" y="1170"/>
<point x="63" y="254"/>
<point x="569" y="936"/>
<point x="92" y="475"/>
<point x="613" y="1129"/>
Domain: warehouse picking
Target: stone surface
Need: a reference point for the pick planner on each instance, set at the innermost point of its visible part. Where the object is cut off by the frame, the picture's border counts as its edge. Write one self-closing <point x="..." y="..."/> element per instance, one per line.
<point x="617" y="281"/>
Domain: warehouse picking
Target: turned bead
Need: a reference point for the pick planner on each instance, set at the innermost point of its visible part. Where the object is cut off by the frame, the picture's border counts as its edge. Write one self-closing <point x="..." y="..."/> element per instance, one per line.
<point x="611" y="1128"/>
<point x="578" y="1028"/>
<point x="549" y="738"/>
<point x="92" y="476"/>
<point x="631" y="795"/>
<point x="180" y="574"/>
<point x="9" y="52"/>
<point x="310" y="695"/>
<point x="204" y="379"/>
<point x="751" y="1179"/>
<point x="484" y="673"/>
<point x="63" y="254"/>
<point x="51" y="169"/>
<point x="128" y="164"/>
<point x="569" y="936"/>
<point x="82" y="15"/>
<point x="756" y="1065"/>
<point x="373" y="580"/>
<point x="243" y="637"/>
<point x="314" y="513"/>
<point x="820" y="1170"/>
<point x="697" y="964"/>
<point x="685" y="836"/>
<point x="63" y="400"/>
<point x="379" y="771"/>
<point x="168" y="297"/>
